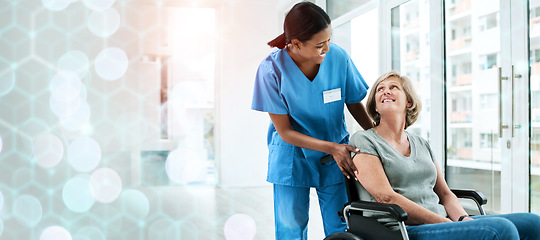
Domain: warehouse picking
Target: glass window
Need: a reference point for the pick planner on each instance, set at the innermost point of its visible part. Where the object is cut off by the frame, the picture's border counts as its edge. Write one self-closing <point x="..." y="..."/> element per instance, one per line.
<point x="471" y="97"/>
<point x="488" y="140"/>
<point x="534" y="45"/>
<point x="488" y="61"/>
<point x="535" y="55"/>
<point x="535" y="140"/>
<point x="336" y="8"/>
<point x="410" y="54"/>
<point x="489" y="21"/>
<point x="535" y="12"/>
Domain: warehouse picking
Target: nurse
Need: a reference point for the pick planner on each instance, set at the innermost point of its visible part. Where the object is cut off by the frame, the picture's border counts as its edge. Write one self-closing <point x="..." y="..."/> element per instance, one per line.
<point x="304" y="86"/>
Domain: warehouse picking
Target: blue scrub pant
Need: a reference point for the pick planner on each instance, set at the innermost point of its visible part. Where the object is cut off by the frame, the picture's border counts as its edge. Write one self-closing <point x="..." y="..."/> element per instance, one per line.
<point x="291" y="210"/>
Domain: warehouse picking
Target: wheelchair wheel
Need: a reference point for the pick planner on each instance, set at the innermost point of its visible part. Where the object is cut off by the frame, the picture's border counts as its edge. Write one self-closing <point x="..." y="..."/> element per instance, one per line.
<point x="343" y="236"/>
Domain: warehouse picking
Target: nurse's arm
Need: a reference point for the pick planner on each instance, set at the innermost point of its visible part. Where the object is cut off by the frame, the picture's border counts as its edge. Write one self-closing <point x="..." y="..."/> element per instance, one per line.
<point x="358" y="111"/>
<point x="340" y="152"/>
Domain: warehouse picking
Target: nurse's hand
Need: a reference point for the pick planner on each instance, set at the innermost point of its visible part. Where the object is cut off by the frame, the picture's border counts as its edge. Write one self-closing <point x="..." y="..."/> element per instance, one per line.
<point x="342" y="155"/>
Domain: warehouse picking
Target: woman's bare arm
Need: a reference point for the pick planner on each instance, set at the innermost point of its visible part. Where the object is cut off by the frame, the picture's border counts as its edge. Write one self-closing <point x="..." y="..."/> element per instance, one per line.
<point x="448" y="199"/>
<point x="373" y="178"/>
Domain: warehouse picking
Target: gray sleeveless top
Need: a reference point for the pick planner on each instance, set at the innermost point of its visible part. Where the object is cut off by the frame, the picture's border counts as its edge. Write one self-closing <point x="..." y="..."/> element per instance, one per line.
<point x="413" y="177"/>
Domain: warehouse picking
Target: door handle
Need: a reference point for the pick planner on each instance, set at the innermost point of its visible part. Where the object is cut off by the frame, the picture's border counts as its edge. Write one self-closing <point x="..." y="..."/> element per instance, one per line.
<point x="514" y="75"/>
<point x="501" y="126"/>
<point x="512" y="82"/>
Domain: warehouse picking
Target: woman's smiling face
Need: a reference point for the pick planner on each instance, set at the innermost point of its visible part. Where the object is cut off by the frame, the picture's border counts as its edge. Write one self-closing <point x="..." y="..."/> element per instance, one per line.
<point x="390" y="96"/>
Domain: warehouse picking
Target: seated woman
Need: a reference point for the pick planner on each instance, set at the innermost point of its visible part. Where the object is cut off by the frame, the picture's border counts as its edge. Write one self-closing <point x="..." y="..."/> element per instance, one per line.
<point x="397" y="167"/>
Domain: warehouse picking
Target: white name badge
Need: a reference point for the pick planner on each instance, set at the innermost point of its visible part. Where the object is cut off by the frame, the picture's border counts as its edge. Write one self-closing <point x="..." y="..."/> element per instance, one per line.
<point x="332" y="95"/>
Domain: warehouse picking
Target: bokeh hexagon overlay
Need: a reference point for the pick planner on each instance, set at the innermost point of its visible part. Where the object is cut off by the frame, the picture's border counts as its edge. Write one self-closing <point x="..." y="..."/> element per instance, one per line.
<point x="80" y="75"/>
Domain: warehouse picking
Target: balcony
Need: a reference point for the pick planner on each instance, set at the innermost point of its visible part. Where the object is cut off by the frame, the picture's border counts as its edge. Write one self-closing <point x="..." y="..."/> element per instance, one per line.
<point x="461" y="153"/>
<point x="464" y="153"/>
<point x="412" y="55"/>
<point x="460" y="43"/>
<point x="535" y="68"/>
<point x="461" y="117"/>
<point x="417" y="86"/>
<point x="535" y="158"/>
<point x="413" y="23"/>
<point x="460" y="7"/>
<point x="535" y="27"/>
<point x="464" y="79"/>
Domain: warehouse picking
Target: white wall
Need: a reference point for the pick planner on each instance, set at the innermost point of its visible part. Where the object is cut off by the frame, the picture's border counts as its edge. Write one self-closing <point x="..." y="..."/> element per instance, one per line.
<point x="247" y="27"/>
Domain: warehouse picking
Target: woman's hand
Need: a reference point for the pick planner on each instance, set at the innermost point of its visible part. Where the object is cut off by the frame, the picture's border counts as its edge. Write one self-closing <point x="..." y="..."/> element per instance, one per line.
<point x="342" y="156"/>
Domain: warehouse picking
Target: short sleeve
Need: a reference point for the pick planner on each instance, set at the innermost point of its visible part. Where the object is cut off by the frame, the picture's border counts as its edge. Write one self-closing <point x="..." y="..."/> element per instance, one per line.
<point x="364" y="143"/>
<point x="266" y="91"/>
<point x="356" y="86"/>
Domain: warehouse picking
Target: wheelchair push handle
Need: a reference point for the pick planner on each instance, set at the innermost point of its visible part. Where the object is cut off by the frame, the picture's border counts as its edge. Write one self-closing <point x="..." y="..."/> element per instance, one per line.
<point x="326" y="159"/>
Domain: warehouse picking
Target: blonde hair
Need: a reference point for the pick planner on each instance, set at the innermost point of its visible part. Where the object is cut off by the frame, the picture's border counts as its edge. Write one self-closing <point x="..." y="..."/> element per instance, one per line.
<point x="412" y="112"/>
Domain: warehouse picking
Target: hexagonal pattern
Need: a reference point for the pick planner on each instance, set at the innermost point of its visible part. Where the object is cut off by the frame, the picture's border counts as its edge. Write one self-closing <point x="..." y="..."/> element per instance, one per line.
<point x="53" y="42"/>
<point x="6" y="15"/>
<point x="33" y="38"/>
<point x="16" y="44"/>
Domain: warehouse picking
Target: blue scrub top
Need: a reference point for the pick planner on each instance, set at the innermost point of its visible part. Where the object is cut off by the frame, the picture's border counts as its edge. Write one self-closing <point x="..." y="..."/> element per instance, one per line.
<point x="315" y="108"/>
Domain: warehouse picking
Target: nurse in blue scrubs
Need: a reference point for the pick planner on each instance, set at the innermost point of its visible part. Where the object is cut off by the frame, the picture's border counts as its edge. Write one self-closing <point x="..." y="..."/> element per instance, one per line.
<point x="304" y="86"/>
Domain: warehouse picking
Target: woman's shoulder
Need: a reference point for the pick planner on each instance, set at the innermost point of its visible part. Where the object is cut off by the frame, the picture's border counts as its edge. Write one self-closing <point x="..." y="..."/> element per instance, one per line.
<point x="363" y="132"/>
<point x="367" y="142"/>
<point x="362" y="136"/>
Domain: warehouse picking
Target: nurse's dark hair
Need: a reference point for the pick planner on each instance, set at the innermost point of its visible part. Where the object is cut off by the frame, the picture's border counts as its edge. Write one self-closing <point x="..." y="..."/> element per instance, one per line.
<point x="304" y="20"/>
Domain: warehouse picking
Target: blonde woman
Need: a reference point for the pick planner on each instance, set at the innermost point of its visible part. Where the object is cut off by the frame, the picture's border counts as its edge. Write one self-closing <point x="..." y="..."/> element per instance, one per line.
<point x="397" y="167"/>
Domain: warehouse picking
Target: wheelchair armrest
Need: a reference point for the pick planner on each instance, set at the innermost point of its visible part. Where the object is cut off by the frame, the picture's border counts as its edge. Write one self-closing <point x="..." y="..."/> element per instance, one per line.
<point x="394" y="210"/>
<point x="472" y="194"/>
<point x="476" y="196"/>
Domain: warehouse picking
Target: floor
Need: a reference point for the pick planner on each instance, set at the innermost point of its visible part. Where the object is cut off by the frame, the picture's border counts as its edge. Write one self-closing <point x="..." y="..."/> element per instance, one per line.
<point x="234" y="213"/>
<point x="169" y="213"/>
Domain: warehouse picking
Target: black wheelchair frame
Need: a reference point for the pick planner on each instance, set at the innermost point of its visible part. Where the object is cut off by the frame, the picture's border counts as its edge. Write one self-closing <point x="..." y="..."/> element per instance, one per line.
<point x="360" y="227"/>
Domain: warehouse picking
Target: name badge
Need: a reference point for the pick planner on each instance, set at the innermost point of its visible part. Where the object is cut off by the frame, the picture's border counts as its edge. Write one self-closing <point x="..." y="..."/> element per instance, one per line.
<point x="332" y="95"/>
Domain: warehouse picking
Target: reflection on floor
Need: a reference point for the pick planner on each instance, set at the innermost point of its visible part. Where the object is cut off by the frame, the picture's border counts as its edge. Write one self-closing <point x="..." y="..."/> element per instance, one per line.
<point x="210" y="213"/>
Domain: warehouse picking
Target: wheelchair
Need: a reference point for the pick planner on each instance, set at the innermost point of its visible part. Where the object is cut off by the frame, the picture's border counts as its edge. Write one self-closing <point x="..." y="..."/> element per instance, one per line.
<point x="360" y="227"/>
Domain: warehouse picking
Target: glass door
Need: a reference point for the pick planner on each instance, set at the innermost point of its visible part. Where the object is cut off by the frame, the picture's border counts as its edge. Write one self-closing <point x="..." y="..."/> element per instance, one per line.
<point x="487" y="101"/>
<point x="534" y="63"/>
<point x="472" y="59"/>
